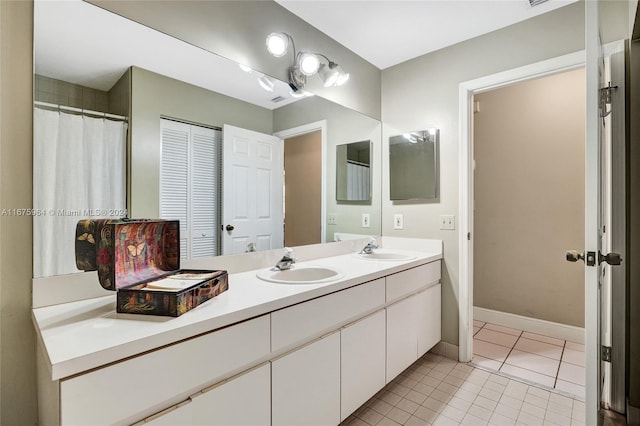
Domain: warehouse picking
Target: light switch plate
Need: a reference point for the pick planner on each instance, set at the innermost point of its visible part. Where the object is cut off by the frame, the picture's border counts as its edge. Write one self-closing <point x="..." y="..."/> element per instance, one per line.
<point x="366" y="220"/>
<point x="448" y="222"/>
<point x="332" y="219"/>
<point x="398" y="221"/>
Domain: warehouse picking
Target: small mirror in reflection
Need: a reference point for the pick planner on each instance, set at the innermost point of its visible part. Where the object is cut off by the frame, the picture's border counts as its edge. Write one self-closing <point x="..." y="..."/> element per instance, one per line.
<point x="353" y="171"/>
<point x="413" y="165"/>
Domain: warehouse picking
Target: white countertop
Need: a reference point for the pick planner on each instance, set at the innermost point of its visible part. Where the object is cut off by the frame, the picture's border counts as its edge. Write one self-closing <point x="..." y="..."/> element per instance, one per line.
<point x="83" y="335"/>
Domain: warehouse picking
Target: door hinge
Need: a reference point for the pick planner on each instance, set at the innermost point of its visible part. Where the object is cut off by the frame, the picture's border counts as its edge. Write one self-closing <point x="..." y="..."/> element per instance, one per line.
<point x="605" y="354"/>
<point x="468" y="236"/>
<point x="605" y="99"/>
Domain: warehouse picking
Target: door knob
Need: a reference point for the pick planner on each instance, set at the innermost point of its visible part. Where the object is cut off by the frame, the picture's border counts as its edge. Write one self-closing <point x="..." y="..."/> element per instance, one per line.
<point x="229" y="228"/>
<point x="574" y="256"/>
<point x="613" y="259"/>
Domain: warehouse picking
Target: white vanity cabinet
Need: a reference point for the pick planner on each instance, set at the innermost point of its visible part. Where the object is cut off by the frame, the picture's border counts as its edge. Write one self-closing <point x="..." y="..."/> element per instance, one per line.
<point x="119" y="393"/>
<point x="225" y="403"/>
<point x="243" y="401"/>
<point x="308" y="363"/>
<point x="362" y="361"/>
<point x="429" y="318"/>
<point x="413" y="322"/>
<point x="305" y="384"/>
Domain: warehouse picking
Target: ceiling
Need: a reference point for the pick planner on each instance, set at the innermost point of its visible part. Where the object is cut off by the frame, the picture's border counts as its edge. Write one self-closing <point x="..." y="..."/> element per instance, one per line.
<point x="388" y="32"/>
<point x="384" y="32"/>
<point x="80" y="43"/>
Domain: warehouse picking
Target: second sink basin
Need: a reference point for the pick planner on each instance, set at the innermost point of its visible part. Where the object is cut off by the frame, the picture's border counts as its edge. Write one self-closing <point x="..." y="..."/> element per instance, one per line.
<point x="388" y="255"/>
<point x="301" y="274"/>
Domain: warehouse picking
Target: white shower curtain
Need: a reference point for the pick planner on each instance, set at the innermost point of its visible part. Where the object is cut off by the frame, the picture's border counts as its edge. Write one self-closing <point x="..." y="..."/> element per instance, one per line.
<point x="358" y="182"/>
<point x="79" y="169"/>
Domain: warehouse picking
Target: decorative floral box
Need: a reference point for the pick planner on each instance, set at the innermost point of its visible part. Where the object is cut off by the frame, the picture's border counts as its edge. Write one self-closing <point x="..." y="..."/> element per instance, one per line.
<point x="140" y="259"/>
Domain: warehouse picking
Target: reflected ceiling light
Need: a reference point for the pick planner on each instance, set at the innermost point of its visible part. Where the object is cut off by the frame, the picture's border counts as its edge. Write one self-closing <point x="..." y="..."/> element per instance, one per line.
<point x="245" y="68"/>
<point x="305" y="64"/>
<point x="266" y="83"/>
<point x="299" y="93"/>
<point x="278" y="44"/>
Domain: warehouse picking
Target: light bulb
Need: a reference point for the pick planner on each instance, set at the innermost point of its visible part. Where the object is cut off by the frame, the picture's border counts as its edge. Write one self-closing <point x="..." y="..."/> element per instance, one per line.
<point x="308" y="63"/>
<point x="277" y="44"/>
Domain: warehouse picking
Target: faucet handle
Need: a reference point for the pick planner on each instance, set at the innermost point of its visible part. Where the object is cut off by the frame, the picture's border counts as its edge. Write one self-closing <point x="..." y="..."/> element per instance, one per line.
<point x="288" y="252"/>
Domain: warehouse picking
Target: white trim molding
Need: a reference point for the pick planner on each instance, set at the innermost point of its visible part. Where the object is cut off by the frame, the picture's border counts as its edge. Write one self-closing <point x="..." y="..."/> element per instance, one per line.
<point x="531" y="325"/>
<point x="466" y="92"/>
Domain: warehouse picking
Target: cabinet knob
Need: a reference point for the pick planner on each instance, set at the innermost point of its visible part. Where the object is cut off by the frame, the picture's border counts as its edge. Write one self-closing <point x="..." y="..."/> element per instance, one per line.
<point x="229" y="227"/>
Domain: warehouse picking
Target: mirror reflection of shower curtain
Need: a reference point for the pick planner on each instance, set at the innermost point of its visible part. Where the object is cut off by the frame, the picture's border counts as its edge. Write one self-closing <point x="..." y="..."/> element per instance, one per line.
<point x="358" y="181"/>
<point x="79" y="171"/>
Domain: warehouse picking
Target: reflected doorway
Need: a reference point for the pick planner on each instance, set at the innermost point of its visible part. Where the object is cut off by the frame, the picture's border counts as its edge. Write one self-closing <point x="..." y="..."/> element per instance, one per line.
<point x="303" y="189"/>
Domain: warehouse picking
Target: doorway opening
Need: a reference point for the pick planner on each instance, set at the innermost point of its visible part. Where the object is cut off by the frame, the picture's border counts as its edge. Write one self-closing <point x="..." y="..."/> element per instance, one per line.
<point x="304" y="206"/>
<point x="528" y="301"/>
<point x="303" y="189"/>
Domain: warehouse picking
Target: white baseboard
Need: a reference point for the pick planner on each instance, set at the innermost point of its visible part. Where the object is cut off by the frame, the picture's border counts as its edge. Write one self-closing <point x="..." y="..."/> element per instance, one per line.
<point x="532" y="325"/>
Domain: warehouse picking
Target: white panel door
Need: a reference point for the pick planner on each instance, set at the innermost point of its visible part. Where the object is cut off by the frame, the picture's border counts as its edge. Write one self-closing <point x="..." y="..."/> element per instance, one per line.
<point x="305" y="385"/>
<point x="362" y="361"/>
<point x="252" y="196"/>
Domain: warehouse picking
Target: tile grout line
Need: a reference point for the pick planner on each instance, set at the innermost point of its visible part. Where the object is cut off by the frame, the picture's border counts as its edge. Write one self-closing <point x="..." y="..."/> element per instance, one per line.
<point x="510" y="350"/>
<point x="555" y="382"/>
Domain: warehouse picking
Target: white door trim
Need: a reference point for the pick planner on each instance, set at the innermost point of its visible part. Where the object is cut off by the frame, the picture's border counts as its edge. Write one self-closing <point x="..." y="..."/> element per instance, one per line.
<point x="466" y="91"/>
<point x="308" y="128"/>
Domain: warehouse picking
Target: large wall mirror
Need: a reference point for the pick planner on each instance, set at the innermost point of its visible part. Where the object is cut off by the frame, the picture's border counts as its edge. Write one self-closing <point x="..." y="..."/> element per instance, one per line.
<point x="104" y="86"/>
<point x="413" y="165"/>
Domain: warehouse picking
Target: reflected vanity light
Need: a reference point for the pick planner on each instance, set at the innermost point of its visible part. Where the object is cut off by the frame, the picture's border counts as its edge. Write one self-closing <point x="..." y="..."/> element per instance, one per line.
<point x="422" y="136"/>
<point x="245" y="68"/>
<point x="305" y="64"/>
<point x="266" y="83"/>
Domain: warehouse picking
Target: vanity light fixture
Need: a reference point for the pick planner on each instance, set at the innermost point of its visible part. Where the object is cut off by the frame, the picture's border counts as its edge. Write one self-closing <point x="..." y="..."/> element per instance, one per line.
<point x="305" y="64"/>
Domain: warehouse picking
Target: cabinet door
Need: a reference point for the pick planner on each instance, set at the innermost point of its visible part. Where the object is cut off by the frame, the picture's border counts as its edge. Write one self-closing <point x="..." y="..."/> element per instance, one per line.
<point x="429" y="318"/>
<point x="243" y="400"/>
<point x="402" y="336"/>
<point x="362" y="363"/>
<point x="306" y="384"/>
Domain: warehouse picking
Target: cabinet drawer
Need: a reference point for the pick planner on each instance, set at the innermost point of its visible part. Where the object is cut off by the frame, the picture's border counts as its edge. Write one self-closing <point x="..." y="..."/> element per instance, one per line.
<point x="125" y="391"/>
<point x="309" y="319"/>
<point x="406" y="282"/>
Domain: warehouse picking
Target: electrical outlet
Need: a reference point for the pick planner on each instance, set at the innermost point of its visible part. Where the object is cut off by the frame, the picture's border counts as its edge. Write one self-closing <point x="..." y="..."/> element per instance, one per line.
<point x="366" y="220"/>
<point x="332" y="219"/>
<point x="398" y="221"/>
<point x="448" y="222"/>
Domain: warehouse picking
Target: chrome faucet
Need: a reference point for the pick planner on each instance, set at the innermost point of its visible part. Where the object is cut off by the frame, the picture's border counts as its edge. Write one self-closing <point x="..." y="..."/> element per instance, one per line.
<point x="287" y="260"/>
<point x="371" y="245"/>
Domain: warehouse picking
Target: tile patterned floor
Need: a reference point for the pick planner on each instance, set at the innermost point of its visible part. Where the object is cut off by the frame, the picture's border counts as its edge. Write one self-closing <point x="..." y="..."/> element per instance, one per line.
<point x="440" y="391"/>
<point x="552" y="363"/>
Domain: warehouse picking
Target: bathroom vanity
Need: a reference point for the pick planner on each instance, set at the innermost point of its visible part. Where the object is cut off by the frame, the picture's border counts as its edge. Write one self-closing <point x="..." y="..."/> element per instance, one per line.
<point x="261" y="353"/>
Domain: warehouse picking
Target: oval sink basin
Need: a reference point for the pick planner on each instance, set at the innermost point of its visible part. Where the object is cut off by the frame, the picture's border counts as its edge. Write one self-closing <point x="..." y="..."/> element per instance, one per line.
<point x="388" y="255"/>
<point x="298" y="274"/>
